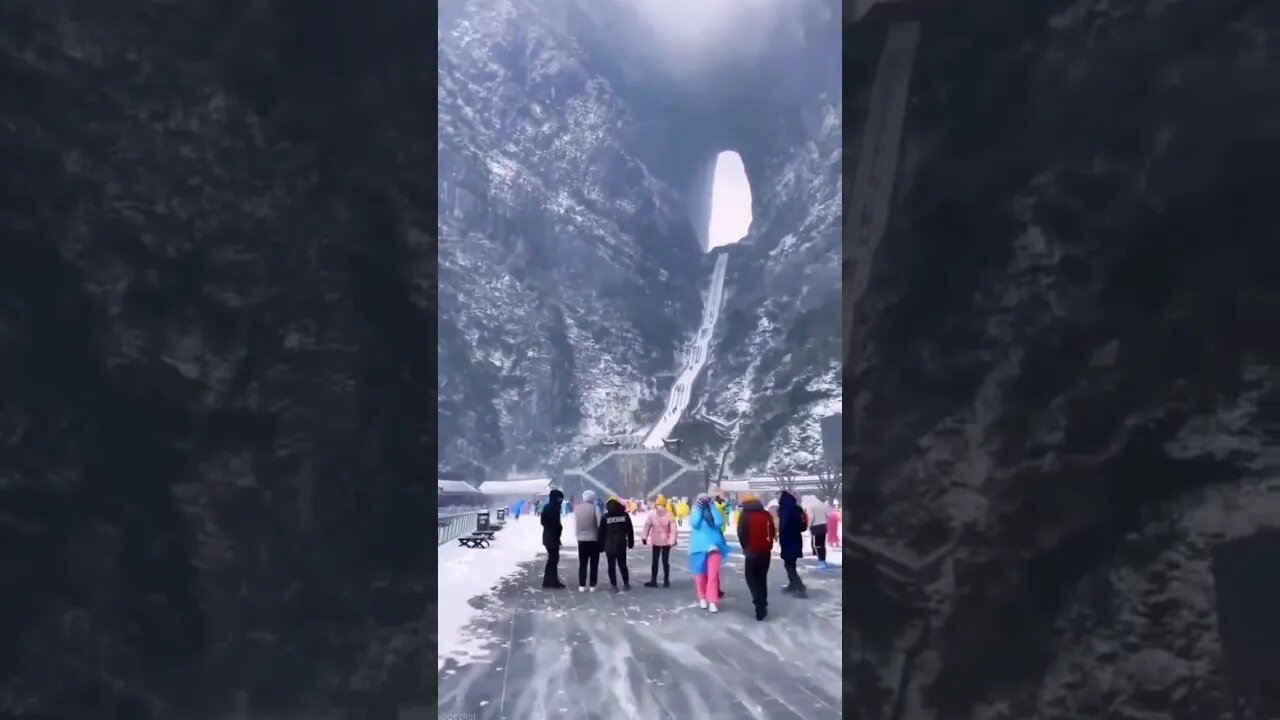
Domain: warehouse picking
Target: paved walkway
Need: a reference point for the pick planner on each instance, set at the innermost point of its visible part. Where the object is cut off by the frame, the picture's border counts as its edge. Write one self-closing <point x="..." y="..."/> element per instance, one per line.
<point x="652" y="653"/>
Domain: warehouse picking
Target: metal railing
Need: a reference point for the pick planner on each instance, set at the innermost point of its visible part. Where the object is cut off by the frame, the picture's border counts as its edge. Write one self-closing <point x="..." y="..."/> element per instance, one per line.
<point x="451" y="527"/>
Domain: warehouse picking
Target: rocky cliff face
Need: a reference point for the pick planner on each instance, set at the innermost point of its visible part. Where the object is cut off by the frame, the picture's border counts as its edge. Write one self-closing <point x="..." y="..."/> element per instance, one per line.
<point x="1069" y="358"/>
<point x="568" y="268"/>
<point x="572" y="176"/>
<point x="215" y="357"/>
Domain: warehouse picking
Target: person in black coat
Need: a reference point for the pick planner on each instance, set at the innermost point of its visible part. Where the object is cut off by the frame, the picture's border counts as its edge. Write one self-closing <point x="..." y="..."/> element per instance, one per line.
<point x="551" y="540"/>
<point x="618" y="536"/>
<point x="791" y="527"/>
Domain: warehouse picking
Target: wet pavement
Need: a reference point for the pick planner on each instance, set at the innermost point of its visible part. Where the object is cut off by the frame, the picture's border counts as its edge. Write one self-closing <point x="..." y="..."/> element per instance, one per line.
<point x="651" y="652"/>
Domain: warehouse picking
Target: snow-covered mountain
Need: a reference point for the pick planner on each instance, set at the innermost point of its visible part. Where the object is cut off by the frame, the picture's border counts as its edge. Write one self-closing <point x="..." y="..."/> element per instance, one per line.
<point x="573" y="190"/>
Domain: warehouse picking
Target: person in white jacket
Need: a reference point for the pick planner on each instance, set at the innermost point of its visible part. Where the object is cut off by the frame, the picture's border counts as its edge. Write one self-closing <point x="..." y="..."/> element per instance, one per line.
<point x="817" y="528"/>
<point x="586" y="521"/>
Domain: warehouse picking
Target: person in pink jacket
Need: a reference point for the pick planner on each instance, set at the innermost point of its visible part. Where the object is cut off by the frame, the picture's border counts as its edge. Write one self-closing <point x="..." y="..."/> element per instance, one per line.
<point x="660" y="531"/>
<point x="833" y="526"/>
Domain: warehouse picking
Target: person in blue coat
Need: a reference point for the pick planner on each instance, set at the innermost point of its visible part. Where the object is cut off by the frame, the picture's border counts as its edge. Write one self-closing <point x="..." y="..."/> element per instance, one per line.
<point x="707" y="550"/>
<point x="519" y="508"/>
<point x="791" y="527"/>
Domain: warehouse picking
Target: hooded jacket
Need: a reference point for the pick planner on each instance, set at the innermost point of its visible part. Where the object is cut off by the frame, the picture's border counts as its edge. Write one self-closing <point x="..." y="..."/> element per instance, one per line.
<point x="660" y="527"/>
<point x="705" y="521"/>
<point x="551" y="526"/>
<point x="615" y="528"/>
<point x="791" y="525"/>
<point x="586" y="518"/>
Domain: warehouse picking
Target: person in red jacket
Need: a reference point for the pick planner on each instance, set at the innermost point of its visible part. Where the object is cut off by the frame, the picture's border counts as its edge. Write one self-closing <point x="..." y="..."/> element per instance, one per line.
<point x="756" y="533"/>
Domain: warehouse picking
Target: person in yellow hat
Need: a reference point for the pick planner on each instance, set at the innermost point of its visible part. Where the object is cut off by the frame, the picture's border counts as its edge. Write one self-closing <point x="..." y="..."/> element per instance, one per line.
<point x="756" y="534"/>
<point x="660" y="527"/>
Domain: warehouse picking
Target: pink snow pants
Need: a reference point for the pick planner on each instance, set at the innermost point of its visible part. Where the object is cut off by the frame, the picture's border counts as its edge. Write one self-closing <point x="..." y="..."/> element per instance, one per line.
<point x="833" y="532"/>
<point x="709" y="585"/>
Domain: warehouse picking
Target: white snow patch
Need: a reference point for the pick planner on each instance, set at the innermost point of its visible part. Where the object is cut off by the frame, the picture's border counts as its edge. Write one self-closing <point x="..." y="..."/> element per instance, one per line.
<point x="470" y="574"/>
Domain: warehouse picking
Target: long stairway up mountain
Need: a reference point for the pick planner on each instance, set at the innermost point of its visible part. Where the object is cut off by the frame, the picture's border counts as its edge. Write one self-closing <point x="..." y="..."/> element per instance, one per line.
<point x="681" y="391"/>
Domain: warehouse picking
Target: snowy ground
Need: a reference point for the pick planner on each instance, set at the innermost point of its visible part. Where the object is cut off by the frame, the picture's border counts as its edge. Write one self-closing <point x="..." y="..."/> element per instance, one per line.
<point x="470" y="575"/>
<point x="523" y="652"/>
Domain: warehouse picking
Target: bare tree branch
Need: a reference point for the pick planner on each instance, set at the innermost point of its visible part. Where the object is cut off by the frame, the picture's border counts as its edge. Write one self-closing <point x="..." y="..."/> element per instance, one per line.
<point x="786" y="479"/>
<point x="830" y="482"/>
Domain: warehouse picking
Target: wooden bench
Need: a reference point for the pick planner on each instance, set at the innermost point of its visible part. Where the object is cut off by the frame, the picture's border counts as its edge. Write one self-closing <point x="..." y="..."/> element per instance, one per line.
<point x="475" y="540"/>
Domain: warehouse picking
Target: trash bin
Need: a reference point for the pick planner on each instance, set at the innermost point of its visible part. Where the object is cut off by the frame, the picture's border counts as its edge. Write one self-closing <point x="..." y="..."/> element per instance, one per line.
<point x="502" y="514"/>
<point x="482" y="520"/>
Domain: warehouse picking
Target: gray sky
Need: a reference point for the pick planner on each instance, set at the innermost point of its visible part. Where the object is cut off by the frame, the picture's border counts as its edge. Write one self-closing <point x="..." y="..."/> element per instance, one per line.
<point x="692" y="40"/>
<point x="730" y="201"/>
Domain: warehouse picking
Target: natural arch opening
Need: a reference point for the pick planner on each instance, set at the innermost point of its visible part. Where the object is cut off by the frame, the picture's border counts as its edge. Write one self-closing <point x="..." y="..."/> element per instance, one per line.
<point x="730" y="215"/>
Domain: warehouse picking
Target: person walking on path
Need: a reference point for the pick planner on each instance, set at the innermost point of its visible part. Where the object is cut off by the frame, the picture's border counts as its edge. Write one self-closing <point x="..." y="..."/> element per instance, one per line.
<point x="791" y="527"/>
<point x="833" y="525"/>
<point x="551" y="528"/>
<point x="707" y="551"/>
<point x="660" y="528"/>
<point x="586" y="522"/>
<point x="618" y="536"/>
<point x="680" y="510"/>
<point x="756" y="533"/>
<point x="818" y="530"/>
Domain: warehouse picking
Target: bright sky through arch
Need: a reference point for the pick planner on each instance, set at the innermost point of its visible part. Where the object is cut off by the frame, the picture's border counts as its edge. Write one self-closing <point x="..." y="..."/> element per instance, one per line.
<point x="730" y="201"/>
